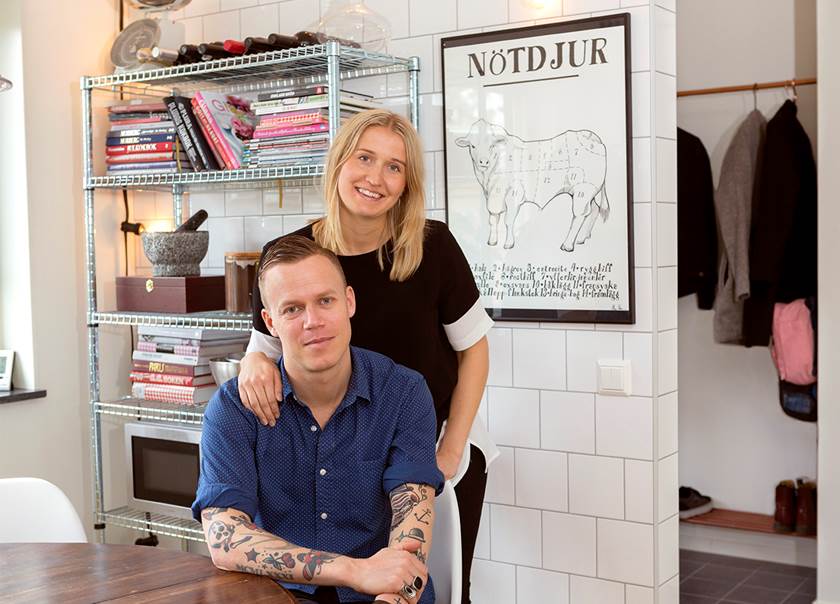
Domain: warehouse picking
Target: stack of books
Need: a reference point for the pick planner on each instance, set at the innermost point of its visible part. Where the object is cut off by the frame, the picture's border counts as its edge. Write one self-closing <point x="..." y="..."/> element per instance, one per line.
<point x="142" y="140"/>
<point x="293" y="126"/>
<point x="226" y="123"/>
<point x="172" y="364"/>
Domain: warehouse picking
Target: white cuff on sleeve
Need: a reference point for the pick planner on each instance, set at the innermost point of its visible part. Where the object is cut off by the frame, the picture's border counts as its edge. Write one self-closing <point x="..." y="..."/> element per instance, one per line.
<point x="261" y="342"/>
<point x="470" y="328"/>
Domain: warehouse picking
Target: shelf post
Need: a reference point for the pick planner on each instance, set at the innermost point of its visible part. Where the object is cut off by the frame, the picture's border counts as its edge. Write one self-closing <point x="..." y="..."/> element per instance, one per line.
<point x="334" y="86"/>
<point x="177" y="204"/>
<point x="93" y="334"/>
<point x="414" y="92"/>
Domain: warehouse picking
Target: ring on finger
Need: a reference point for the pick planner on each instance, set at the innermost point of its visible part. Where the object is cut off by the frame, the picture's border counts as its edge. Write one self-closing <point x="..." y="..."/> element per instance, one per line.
<point x="409" y="591"/>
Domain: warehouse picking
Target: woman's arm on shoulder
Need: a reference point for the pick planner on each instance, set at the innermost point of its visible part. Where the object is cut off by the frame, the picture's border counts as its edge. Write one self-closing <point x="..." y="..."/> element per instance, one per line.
<point x="260" y="384"/>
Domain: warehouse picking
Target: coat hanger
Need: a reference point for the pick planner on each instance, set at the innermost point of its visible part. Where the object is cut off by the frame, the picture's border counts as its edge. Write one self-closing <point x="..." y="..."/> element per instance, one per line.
<point x="791" y="92"/>
<point x="755" y="96"/>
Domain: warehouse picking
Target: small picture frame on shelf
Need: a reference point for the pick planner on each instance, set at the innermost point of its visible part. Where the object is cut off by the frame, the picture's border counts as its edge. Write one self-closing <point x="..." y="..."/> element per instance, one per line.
<point x="7" y="360"/>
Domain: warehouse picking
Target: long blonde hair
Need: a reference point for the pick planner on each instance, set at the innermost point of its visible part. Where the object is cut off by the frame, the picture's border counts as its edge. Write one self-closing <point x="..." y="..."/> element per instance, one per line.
<point x="405" y="222"/>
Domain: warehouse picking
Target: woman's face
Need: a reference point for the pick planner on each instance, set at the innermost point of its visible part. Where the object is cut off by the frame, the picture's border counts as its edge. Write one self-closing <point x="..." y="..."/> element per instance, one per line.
<point x="373" y="179"/>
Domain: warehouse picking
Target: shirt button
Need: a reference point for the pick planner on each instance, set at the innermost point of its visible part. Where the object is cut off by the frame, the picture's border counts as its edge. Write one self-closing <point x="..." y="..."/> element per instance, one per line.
<point x="323" y="515"/>
<point x="322" y="472"/>
<point x="313" y="428"/>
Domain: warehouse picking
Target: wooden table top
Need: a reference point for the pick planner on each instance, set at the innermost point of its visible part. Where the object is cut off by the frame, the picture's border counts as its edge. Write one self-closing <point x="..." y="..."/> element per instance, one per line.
<point x="82" y="573"/>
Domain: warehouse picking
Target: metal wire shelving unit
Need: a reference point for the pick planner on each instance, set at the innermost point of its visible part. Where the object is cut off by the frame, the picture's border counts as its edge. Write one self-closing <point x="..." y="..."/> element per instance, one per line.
<point x="328" y="64"/>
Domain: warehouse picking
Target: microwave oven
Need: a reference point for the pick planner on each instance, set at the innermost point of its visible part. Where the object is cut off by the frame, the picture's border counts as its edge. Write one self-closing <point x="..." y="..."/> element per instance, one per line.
<point x="163" y="463"/>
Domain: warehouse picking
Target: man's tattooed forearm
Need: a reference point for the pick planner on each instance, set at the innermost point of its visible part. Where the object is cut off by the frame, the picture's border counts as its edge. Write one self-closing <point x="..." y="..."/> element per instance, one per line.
<point x="403" y="501"/>
<point x="313" y="561"/>
<point x="421" y="517"/>
<point x="283" y="576"/>
<point x="221" y="536"/>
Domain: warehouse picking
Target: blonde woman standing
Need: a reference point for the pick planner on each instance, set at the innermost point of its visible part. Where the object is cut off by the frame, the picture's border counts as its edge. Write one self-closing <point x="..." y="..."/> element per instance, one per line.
<point x="416" y="298"/>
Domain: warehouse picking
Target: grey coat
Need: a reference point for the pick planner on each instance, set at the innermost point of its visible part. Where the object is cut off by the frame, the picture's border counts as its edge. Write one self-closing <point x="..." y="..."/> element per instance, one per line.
<point x="733" y="205"/>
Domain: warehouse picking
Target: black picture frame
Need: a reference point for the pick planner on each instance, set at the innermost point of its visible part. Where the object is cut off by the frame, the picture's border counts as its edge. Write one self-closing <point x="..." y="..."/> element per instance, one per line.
<point x="493" y="172"/>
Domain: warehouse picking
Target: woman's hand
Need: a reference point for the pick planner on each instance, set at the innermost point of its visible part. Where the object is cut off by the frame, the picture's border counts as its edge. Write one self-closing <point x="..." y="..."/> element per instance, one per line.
<point x="260" y="387"/>
<point x="448" y="462"/>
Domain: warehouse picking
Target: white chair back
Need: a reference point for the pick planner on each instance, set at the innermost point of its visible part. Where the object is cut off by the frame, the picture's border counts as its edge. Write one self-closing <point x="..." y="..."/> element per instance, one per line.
<point x="445" y="556"/>
<point x="33" y="510"/>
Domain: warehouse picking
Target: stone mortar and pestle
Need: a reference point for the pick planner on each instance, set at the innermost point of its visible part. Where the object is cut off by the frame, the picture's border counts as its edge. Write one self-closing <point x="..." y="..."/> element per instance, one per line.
<point x="179" y="253"/>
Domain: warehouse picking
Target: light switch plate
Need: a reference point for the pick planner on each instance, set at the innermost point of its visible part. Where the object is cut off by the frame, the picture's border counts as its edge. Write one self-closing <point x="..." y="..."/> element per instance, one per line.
<point x="614" y="377"/>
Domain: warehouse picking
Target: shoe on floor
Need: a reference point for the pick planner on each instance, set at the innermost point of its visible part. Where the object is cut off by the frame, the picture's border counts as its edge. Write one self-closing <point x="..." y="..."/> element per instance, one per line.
<point x="693" y="503"/>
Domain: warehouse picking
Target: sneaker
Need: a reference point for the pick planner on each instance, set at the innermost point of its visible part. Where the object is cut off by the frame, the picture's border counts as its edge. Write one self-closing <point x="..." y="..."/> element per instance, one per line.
<point x="693" y="503"/>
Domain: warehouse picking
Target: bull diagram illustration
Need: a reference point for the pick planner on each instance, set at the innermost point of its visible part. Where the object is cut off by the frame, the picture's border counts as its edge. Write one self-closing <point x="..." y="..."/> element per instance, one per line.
<point x="512" y="172"/>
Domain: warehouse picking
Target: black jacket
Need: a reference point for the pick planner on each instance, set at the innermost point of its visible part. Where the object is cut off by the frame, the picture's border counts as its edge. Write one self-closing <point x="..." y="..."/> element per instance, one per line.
<point x="697" y="240"/>
<point x="783" y="236"/>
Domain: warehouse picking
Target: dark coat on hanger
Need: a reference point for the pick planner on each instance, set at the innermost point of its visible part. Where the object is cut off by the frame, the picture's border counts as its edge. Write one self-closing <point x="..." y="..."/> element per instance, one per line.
<point x="783" y="236"/>
<point x="697" y="239"/>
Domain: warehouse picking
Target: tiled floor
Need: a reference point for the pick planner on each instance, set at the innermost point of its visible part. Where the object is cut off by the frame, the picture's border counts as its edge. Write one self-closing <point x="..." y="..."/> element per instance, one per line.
<point x="713" y="579"/>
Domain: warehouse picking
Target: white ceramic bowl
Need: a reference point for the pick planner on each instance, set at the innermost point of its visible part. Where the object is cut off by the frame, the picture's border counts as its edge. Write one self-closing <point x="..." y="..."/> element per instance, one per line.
<point x="226" y="367"/>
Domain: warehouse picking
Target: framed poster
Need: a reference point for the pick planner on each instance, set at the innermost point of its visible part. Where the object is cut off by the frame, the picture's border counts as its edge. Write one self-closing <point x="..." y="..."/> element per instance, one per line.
<point x="538" y="156"/>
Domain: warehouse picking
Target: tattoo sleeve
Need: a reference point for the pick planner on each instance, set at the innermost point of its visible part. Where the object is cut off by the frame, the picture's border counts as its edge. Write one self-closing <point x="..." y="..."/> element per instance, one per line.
<point x="413" y="516"/>
<point x="236" y="543"/>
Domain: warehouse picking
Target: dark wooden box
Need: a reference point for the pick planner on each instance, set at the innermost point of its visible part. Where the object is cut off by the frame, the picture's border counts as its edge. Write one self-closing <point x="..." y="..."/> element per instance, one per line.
<point x="171" y="294"/>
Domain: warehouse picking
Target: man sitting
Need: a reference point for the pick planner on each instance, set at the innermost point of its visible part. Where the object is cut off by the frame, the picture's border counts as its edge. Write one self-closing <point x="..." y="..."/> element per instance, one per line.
<point x="340" y="492"/>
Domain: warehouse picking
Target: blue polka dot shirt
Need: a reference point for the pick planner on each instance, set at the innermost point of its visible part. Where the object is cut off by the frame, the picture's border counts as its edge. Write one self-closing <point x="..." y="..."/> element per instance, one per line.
<point x="323" y="489"/>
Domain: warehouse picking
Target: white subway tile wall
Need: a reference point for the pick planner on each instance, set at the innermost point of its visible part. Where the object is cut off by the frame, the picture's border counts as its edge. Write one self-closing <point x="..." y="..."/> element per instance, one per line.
<point x="584" y="589"/>
<point x="585" y="484"/>
<point x="625" y="551"/>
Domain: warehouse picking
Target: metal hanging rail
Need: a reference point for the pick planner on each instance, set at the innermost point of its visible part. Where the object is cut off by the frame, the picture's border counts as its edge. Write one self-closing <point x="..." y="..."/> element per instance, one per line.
<point x="748" y="87"/>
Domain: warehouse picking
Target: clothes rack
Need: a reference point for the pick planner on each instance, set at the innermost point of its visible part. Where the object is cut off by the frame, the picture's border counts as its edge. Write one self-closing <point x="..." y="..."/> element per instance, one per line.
<point x="748" y="87"/>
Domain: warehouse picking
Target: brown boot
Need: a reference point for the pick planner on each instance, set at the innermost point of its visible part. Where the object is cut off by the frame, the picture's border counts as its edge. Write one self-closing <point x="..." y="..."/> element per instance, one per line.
<point x="785" y="518"/>
<point x="806" y="509"/>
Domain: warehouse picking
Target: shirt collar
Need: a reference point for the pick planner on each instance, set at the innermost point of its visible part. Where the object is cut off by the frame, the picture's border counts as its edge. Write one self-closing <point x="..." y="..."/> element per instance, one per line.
<point x="359" y="387"/>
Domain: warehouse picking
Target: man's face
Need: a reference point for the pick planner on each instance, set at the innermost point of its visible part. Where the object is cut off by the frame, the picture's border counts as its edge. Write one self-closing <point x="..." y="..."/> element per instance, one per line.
<point x="308" y="308"/>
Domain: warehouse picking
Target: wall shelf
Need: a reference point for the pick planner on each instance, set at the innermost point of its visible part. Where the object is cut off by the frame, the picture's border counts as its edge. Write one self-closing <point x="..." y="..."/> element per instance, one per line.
<point x="744" y="521"/>
<point x="291" y="175"/>
<point x="170" y="526"/>
<point x="200" y="320"/>
<point x="152" y="410"/>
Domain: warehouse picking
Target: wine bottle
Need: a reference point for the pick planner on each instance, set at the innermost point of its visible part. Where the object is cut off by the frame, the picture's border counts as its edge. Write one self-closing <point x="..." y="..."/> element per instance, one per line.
<point x="282" y="41"/>
<point x="189" y="53"/>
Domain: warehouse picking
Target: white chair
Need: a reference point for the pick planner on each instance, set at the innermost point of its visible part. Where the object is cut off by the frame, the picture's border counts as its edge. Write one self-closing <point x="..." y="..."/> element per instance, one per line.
<point x="33" y="510"/>
<point x="445" y="555"/>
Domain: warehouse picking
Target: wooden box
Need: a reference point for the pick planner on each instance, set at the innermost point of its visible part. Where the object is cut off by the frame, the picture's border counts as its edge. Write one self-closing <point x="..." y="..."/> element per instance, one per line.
<point x="171" y="294"/>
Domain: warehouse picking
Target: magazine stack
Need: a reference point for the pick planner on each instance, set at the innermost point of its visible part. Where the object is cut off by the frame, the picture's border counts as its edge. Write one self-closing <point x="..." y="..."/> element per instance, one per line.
<point x="172" y="364"/>
<point x="142" y="140"/>
<point x="293" y="126"/>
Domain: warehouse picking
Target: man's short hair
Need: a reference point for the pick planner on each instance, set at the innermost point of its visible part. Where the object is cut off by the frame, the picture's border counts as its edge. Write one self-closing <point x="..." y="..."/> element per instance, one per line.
<point x="291" y="249"/>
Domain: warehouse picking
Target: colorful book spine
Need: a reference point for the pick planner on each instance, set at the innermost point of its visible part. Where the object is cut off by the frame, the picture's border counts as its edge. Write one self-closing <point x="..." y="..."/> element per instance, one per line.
<point x="183" y="135"/>
<point x="212" y="135"/>
<point x="150" y="165"/>
<point x="291" y="130"/>
<point x="200" y="103"/>
<point x="139" y="120"/>
<point x="143" y="128"/>
<point x="114" y="150"/>
<point x="170" y="368"/>
<point x="135" y="158"/>
<point x="142" y="139"/>
<point x="191" y="351"/>
<point x="202" y="147"/>
<point x="167" y="378"/>
<point x="166" y="357"/>
<point x="294" y="117"/>
<point x="285" y="94"/>
<point x="135" y="107"/>
<point x="191" y="333"/>
<point x="127" y="133"/>
<point x="166" y="393"/>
